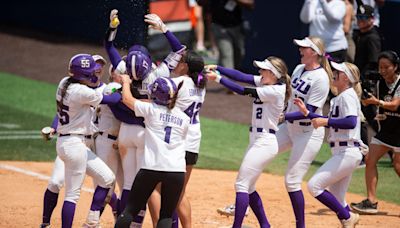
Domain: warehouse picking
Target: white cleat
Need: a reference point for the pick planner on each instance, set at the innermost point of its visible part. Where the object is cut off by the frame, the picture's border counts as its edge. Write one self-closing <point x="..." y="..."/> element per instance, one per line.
<point x="230" y="210"/>
<point x="352" y="221"/>
<point x="92" y="220"/>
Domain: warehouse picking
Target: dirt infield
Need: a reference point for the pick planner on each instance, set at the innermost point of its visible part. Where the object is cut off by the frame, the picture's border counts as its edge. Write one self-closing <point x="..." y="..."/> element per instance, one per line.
<point x="21" y="197"/>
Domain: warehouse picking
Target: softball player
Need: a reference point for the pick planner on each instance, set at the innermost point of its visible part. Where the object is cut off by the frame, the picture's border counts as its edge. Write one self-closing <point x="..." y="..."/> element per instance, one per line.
<point x="344" y="139"/>
<point x="163" y="161"/>
<point x="74" y="102"/>
<point x="56" y="181"/>
<point x="271" y="92"/>
<point x="138" y="66"/>
<point x="310" y="82"/>
<point x="190" y="99"/>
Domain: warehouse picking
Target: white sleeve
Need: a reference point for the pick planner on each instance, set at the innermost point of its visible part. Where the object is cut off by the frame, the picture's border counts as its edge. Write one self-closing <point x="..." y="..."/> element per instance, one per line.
<point x="257" y="80"/>
<point x="266" y="93"/>
<point x="319" y="92"/>
<point x="121" y="68"/>
<point x="335" y="10"/>
<point x="89" y="96"/>
<point x="143" y="108"/>
<point x="161" y="71"/>
<point x="307" y="12"/>
<point x="348" y="106"/>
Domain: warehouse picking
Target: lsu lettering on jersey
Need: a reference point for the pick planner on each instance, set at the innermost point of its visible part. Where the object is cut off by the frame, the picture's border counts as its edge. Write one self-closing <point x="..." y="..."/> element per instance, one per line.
<point x="312" y="86"/>
<point x="75" y="113"/>
<point x="190" y="99"/>
<point x="269" y="105"/>
<point x="345" y="104"/>
<point x="165" y="137"/>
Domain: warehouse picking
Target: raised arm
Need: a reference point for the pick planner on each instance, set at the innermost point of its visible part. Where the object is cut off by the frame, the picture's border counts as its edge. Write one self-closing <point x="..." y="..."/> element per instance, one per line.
<point x="334" y="11"/>
<point x="232" y="74"/>
<point x="112" y="52"/>
<point x="127" y="97"/>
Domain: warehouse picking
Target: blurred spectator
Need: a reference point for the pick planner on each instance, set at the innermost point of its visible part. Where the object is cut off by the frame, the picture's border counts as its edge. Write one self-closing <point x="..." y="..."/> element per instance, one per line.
<point x="226" y="26"/>
<point x="198" y="25"/>
<point x="376" y="4"/>
<point x="325" y="19"/>
<point x="349" y="18"/>
<point x="368" y="47"/>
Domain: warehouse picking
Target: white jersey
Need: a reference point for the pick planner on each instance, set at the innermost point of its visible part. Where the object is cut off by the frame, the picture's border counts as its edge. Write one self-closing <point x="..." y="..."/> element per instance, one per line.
<point x="95" y="110"/>
<point x="165" y="134"/>
<point x="160" y="71"/>
<point x="107" y="122"/>
<point x="269" y="105"/>
<point x="345" y="104"/>
<point x="75" y="113"/>
<point x="190" y="99"/>
<point x="310" y="86"/>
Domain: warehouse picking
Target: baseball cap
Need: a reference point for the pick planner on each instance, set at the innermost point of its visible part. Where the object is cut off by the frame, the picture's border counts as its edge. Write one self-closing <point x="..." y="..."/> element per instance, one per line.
<point x="267" y="65"/>
<point x="365" y="11"/>
<point x="343" y="68"/>
<point x="99" y="57"/>
<point x="307" y="42"/>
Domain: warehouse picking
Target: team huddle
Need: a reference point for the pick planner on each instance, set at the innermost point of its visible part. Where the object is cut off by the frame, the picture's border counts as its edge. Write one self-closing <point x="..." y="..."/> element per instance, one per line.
<point x="141" y="131"/>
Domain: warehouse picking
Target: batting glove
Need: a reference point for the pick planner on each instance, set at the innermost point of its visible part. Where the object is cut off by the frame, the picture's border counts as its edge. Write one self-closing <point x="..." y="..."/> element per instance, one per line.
<point x="155" y="22"/>
<point x="48" y="133"/>
<point x="114" y="21"/>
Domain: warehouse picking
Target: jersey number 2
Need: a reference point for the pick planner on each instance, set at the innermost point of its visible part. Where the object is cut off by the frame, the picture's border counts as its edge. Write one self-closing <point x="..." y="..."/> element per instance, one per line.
<point x="259" y="113"/>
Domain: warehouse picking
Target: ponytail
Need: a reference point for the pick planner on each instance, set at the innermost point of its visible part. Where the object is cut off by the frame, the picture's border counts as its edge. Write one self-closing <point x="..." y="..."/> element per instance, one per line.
<point x="356" y="74"/>
<point x="285" y="79"/>
<point x="199" y="79"/>
<point x="172" y="103"/>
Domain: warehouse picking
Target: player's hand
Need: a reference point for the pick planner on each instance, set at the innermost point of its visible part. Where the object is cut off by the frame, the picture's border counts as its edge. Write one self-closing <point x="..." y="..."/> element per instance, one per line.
<point x="155" y="22"/>
<point x="371" y="100"/>
<point x="210" y="67"/>
<point x="319" y="122"/>
<point x="114" y="21"/>
<point x="212" y="76"/>
<point x="126" y="79"/>
<point x="302" y="107"/>
<point x="48" y="133"/>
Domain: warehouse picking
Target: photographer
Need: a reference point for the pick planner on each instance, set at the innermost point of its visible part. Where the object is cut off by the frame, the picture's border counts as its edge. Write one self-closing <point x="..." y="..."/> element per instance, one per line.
<point x="388" y="118"/>
<point x="368" y="46"/>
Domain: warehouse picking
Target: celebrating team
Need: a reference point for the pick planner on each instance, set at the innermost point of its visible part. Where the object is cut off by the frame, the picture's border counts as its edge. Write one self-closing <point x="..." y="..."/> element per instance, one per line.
<point x="142" y="130"/>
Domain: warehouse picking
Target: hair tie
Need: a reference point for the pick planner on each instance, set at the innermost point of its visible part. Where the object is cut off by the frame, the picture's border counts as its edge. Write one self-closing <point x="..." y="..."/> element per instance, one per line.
<point x="199" y="78"/>
<point x="328" y="56"/>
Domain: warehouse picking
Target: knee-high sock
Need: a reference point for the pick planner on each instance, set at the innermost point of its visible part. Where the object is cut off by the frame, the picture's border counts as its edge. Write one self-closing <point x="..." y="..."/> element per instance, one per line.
<point x="99" y="197"/>
<point x="258" y="209"/>
<point x="347" y="208"/>
<point x="331" y="202"/>
<point x="297" y="200"/>
<point x="114" y="202"/>
<point x="49" y="203"/>
<point x="241" y="204"/>
<point x="67" y="216"/>
<point x="175" y="220"/>
<point x="123" y="201"/>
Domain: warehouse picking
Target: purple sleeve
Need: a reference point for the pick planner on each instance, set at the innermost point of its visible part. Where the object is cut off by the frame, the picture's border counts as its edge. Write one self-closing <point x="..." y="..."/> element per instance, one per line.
<point x="237" y="75"/>
<point x="111" y="99"/>
<point x="299" y="115"/>
<point x="349" y="122"/>
<point x="54" y="124"/>
<point x="232" y="86"/>
<point x="173" y="41"/>
<point x="112" y="52"/>
<point x="123" y="113"/>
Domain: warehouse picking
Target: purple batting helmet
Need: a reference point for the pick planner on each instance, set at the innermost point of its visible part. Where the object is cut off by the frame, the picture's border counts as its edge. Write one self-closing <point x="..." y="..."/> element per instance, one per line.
<point x="140" y="48"/>
<point x="162" y="90"/>
<point x="138" y="65"/>
<point x="82" y="67"/>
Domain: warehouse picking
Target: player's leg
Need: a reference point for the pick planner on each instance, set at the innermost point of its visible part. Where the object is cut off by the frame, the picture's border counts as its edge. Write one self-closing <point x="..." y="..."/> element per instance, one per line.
<point x="154" y="203"/>
<point x="171" y="188"/>
<point x="396" y="162"/>
<point x="56" y="182"/>
<point x="282" y="136"/>
<point x="143" y="185"/>
<point x="72" y="151"/>
<point x="339" y="167"/>
<point x="262" y="150"/>
<point x="306" y="145"/>
<point x="104" y="176"/>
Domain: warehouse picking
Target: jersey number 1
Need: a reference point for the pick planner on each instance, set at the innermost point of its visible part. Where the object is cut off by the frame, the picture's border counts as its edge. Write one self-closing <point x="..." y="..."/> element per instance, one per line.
<point x="167" y="134"/>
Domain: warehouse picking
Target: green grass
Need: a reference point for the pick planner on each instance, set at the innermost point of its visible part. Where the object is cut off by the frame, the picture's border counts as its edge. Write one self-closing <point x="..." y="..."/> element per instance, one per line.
<point x="31" y="104"/>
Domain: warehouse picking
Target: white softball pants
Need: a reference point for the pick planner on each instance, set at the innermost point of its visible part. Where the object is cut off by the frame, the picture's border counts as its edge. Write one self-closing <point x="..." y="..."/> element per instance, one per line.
<point x="79" y="160"/>
<point x="262" y="149"/>
<point x="131" y="149"/>
<point x="305" y="143"/>
<point x="335" y="173"/>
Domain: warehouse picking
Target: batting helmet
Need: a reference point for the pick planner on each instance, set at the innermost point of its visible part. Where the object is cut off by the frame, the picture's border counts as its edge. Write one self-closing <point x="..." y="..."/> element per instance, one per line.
<point x="162" y="90"/>
<point x="82" y="67"/>
<point x="140" y="48"/>
<point x="138" y="65"/>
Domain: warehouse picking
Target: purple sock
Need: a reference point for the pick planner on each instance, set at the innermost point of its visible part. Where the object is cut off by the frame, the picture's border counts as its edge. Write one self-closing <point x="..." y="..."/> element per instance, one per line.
<point x="138" y="219"/>
<point x="123" y="201"/>
<point x="297" y="200"/>
<point x="175" y="220"/>
<point x="347" y="208"/>
<point x="331" y="202"/>
<point x="114" y="202"/>
<point x="241" y="204"/>
<point x="67" y="215"/>
<point x="258" y="209"/>
<point x="99" y="197"/>
<point x="49" y="203"/>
